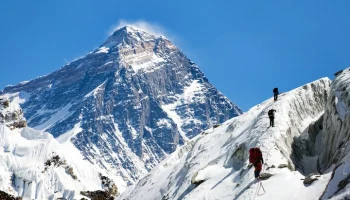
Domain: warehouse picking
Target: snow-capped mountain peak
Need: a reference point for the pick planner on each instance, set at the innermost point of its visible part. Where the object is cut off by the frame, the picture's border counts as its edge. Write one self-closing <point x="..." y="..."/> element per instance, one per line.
<point x="128" y="36"/>
<point x="127" y="104"/>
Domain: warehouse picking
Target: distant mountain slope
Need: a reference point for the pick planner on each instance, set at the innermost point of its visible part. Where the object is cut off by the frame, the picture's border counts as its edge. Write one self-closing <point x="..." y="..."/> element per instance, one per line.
<point x="127" y="104"/>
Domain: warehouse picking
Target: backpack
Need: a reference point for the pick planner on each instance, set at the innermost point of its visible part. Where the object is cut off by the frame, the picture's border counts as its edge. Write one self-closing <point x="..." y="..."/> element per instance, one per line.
<point x="255" y="155"/>
<point x="275" y="90"/>
<point x="270" y="113"/>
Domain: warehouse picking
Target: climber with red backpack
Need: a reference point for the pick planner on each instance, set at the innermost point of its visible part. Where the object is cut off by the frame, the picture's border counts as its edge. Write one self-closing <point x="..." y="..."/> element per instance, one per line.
<point x="255" y="157"/>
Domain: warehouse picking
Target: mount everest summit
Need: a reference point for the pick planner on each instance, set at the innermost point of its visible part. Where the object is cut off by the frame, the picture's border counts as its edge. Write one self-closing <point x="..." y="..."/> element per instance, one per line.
<point x="126" y="105"/>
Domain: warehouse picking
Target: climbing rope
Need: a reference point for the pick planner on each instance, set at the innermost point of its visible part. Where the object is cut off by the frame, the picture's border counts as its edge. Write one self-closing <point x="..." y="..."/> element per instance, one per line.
<point x="260" y="185"/>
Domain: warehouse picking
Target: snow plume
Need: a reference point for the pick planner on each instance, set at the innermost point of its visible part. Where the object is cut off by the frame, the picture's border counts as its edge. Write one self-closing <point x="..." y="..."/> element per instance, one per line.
<point x="151" y="28"/>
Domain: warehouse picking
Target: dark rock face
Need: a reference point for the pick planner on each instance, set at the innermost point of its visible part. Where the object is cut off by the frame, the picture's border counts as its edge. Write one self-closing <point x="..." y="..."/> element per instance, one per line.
<point x="127" y="104"/>
<point x="5" y="196"/>
<point x="98" y="195"/>
<point x="310" y="179"/>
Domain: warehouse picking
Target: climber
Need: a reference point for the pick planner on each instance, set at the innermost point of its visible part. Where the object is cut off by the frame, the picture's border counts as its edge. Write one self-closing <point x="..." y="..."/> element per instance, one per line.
<point x="275" y="93"/>
<point x="271" y="114"/>
<point x="255" y="157"/>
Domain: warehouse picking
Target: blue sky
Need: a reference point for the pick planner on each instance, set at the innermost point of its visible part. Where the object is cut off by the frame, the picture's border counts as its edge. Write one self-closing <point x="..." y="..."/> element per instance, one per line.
<point x="245" y="48"/>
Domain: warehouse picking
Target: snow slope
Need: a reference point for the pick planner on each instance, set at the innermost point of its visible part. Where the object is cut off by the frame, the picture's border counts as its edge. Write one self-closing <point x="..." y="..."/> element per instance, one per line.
<point x="214" y="165"/>
<point x="28" y="167"/>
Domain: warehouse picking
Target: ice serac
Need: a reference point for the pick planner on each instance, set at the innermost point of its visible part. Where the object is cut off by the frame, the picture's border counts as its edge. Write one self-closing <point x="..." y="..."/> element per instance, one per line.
<point x="335" y="156"/>
<point x="34" y="165"/>
<point x="214" y="165"/>
<point x="127" y="104"/>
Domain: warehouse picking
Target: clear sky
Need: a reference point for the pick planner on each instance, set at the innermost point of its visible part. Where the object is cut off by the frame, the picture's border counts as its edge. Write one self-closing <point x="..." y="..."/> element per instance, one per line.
<point x="245" y="48"/>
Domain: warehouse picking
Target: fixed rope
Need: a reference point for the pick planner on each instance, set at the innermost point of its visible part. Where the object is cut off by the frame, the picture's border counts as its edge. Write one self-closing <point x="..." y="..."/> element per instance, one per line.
<point x="260" y="185"/>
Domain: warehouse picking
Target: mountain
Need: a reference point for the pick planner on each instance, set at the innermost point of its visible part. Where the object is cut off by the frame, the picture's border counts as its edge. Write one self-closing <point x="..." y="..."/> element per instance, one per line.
<point x="214" y="164"/>
<point x="127" y="104"/>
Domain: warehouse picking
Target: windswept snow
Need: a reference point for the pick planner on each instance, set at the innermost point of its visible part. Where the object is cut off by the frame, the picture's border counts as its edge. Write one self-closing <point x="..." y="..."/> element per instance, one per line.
<point x="170" y="109"/>
<point x="68" y="135"/>
<point x="102" y="50"/>
<point x="142" y="61"/>
<point x="58" y="115"/>
<point x="96" y="90"/>
<point x="213" y="165"/>
<point x="193" y="91"/>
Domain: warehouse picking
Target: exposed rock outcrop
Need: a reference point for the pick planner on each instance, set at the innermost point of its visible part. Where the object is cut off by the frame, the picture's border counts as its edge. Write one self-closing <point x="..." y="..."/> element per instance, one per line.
<point x="5" y="196"/>
<point x="310" y="178"/>
<point x="11" y="115"/>
<point x="98" y="195"/>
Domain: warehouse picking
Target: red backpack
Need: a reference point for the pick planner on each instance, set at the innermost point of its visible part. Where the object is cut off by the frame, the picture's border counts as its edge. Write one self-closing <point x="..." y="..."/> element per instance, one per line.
<point x="255" y="155"/>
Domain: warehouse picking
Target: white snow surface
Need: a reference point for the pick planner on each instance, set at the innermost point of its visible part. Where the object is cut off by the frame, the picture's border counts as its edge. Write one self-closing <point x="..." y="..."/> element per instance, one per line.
<point x="209" y="157"/>
<point x="14" y="105"/>
<point x="11" y="114"/>
<point x="342" y="86"/>
<point x="60" y="114"/>
<point x="23" y="154"/>
<point x="102" y="49"/>
<point x="146" y="60"/>
<point x="192" y="93"/>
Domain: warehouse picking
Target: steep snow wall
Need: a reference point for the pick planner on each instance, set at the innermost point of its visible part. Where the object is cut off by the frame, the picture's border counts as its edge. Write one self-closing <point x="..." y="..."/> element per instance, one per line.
<point x="337" y="121"/>
<point x="34" y="165"/>
<point x="214" y="165"/>
<point x="335" y="138"/>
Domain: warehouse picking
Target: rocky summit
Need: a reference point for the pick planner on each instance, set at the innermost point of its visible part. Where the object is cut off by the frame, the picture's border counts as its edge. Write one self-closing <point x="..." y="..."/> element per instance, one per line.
<point x="127" y="104"/>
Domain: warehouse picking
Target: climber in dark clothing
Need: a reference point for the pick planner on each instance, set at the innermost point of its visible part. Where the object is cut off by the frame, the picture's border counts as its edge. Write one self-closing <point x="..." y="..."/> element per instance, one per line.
<point x="271" y="114"/>
<point x="275" y="94"/>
